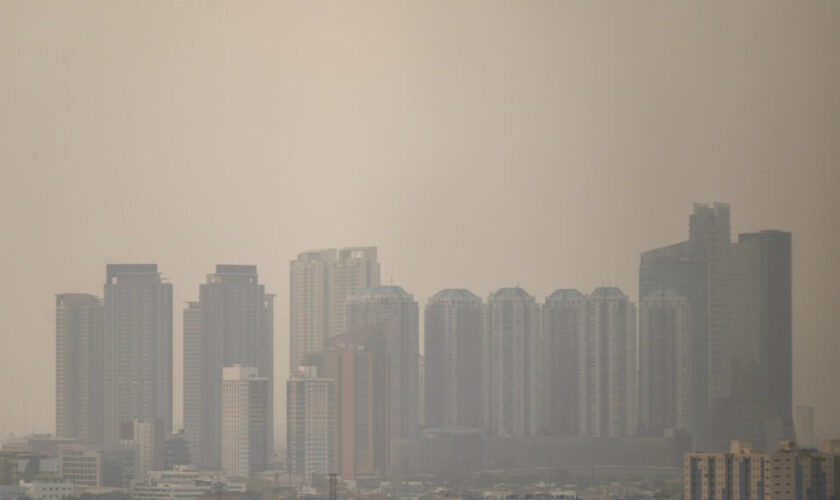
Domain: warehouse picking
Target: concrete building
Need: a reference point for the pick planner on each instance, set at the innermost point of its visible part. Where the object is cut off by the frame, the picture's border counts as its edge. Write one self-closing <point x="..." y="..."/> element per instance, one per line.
<point x="608" y="377"/>
<point x="48" y="490"/>
<point x="760" y="401"/>
<point x="235" y="326"/>
<point x="358" y="362"/>
<point x="79" y="375"/>
<point x="245" y="424"/>
<point x="453" y="360"/>
<point x="513" y="364"/>
<point x="112" y="466"/>
<point x="310" y="424"/>
<point x="664" y="363"/>
<point x="396" y="312"/>
<point x="137" y="347"/>
<point x="563" y="318"/>
<point x="750" y="473"/>
<point x="80" y="465"/>
<point x="320" y="282"/>
<point x="149" y="439"/>
<point x="697" y="270"/>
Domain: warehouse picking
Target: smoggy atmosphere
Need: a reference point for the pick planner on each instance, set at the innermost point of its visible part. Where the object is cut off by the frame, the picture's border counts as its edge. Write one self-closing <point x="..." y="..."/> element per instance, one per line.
<point x="477" y="145"/>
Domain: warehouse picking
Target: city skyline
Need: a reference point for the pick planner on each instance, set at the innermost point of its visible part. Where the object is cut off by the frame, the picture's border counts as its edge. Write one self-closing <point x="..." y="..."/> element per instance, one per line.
<point x="547" y="147"/>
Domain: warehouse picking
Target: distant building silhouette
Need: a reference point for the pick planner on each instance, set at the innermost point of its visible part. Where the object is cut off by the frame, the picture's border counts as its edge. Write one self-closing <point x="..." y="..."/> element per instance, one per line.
<point x="453" y="359"/>
<point x="79" y="367"/>
<point x="231" y="324"/>
<point x="513" y="364"/>
<point x="608" y="382"/>
<point x="395" y="311"/>
<point x="564" y="316"/>
<point x="664" y="363"/>
<point x="137" y="347"/>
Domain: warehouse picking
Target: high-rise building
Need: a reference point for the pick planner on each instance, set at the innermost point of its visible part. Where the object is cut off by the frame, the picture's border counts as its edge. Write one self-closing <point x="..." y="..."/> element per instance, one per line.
<point x="137" y="347"/>
<point x="231" y="324"/>
<point x="310" y="424"/>
<point x="453" y="359"/>
<point x="513" y="364"/>
<point x="194" y="414"/>
<point x="395" y="311"/>
<point x="79" y="368"/>
<point x="358" y="362"/>
<point x="564" y="318"/>
<point x="149" y="439"/>
<point x="245" y="412"/>
<point x="750" y="473"/>
<point x="697" y="269"/>
<point x="664" y="363"/>
<point x="608" y="365"/>
<point x="320" y="282"/>
<point x="760" y="348"/>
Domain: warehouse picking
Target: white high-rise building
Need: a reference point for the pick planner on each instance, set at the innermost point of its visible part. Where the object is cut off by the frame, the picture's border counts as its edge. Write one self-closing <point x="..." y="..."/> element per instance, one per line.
<point x="148" y="437"/>
<point x="513" y="364"/>
<point x="245" y="425"/>
<point x="320" y="282"/>
<point x="664" y="363"/>
<point x="608" y="365"/>
<point x="563" y="318"/>
<point x="310" y="424"/>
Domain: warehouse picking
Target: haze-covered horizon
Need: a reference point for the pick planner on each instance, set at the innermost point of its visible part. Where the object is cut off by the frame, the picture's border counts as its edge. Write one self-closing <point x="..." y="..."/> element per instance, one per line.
<point x="476" y="144"/>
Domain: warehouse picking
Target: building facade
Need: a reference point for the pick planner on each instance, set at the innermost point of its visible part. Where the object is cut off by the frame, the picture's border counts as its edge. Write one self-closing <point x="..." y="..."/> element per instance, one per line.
<point x="79" y="368"/>
<point x="137" y="347"/>
<point x="664" y="363"/>
<point x="231" y="324"/>
<point x="453" y="360"/>
<point x="563" y="318"/>
<point x="395" y="312"/>
<point x="245" y="421"/>
<point x="513" y="364"/>
<point x="310" y="424"/>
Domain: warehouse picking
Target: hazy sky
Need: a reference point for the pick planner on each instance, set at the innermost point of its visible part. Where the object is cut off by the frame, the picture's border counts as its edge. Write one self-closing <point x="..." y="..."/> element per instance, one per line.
<point x="477" y="144"/>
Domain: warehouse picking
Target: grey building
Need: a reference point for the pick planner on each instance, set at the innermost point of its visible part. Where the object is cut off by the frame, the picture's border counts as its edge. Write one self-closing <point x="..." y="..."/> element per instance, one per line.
<point x="760" y="407"/>
<point x="137" y="347"/>
<point x="664" y="363"/>
<point x="79" y="373"/>
<point x="513" y="364"/>
<point x="607" y="377"/>
<point x="563" y="316"/>
<point x="396" y="312"/>
<point x="453" y="360"/>
<point x="697" y="269"/>
<point x="231" y="324"/>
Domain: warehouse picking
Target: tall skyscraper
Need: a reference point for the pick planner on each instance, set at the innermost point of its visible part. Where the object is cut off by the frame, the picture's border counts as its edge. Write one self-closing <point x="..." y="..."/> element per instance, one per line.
<point x="664" y="364"/>
<point x="513" y="364"/>
<point x="79" y="367"/>
<point x="697" y="269"/>
<point x="760" y="344"/>
<point x="395" y="311"/>
<point x="310" y="424"/>
<point x="320" y="282"/>
<point x="453" y="359"/>
<point x="564" y="318"/>
<point x="235" y="326"/>
<point x="137" y="347"/>
<point x="608" y="365"/>
<point x="245" y="421"/>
